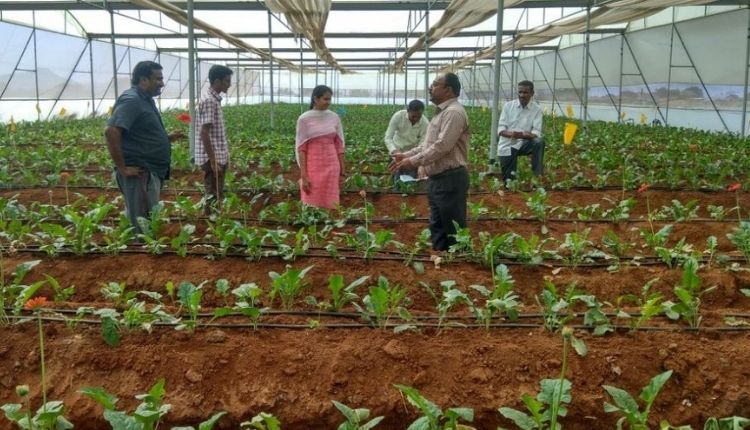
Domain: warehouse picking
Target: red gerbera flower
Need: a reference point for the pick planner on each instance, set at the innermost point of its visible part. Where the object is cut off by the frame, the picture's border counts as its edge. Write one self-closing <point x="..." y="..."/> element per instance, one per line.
<point x="35" y="303"/>
<point x="644" y="187"/>
<point x="184" y="117"/>
<point x="734" y="187"/>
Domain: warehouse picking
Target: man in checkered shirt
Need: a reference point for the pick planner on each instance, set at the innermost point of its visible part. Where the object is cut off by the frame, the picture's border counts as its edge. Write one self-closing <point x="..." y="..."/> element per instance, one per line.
<point x="211" y="149"/>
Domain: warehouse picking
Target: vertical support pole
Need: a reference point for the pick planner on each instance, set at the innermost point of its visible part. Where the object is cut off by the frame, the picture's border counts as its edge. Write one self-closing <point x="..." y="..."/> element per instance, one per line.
<point x="744" y="93"/>
<point x="91" y="75"/>
<point x="586" y="46"/>
<point x="669" y="73"/>
<point x="619" y="94"/>
<point x="388" y="84"/>
<point x="427" y="53"/>
<point x="191" y="75"/>
<point x="238" y="78"/>
<point x="36" y="70"/>
<point x="270" y="68"/>
<point x="301" y="78"/>
<point x="114" y="49"/>
<point x="496" y="79"/>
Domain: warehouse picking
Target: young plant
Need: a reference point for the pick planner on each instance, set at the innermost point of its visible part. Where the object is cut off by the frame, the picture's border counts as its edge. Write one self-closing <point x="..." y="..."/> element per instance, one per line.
<point x="190" y="297"/>
<point x="500" y="301"/>
<point x="450" y="297"/>
<point x="433" y="418"/>
<point x="50" y="415"/>
<point x="740" y="237"/>
<point x="555" y="394"/>
<point x="288" y="285"/>
<point x="262" y="421"/>
<point x="146" y="416"/>
<point x="340" y="295"/>
<point x="650" y="305"/>
<point x="383" y="302"/>
<point x="180" y="242"/>
<point x="688" y="294"/>
<point x="356" y="419"/>
<point x="61" y="294"/>
<point x="555" y="307"/>
<point x="636" y="418"/>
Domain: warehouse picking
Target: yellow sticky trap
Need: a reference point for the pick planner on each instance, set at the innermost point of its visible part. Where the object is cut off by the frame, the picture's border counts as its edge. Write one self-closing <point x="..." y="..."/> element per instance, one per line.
<point x="63" y="111"/>
<point x="570" y="132"/>
<point x="569" y="111"/>
<point x="644" y="118"/>
<point x="38" y="109"/>
<point x="110" y="110"/>
<point x="623" y="115"/>
<point x="364" y="107"/>
<point x="545" y="111"/>
<point x="12" y="125"/>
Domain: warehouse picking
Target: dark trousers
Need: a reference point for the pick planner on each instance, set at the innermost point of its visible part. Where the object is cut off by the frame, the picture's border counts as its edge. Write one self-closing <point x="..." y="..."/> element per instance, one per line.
<point x="446" y="194"/>
<point x="535" y="148"/>
<point x="214" y="183"/>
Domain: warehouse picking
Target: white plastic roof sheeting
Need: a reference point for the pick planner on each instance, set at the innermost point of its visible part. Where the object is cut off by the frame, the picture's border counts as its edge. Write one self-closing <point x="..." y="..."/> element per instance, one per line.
<point x="458" y="15"/>
<point x="308" y="18"/>
<point x="617" y="12"/>
<point x="180" y="16"/>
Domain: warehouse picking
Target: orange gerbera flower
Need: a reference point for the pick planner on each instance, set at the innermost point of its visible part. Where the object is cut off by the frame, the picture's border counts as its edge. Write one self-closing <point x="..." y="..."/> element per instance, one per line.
<point x="35" y="303"/>
<point x="644" y="187"/>
<point x="734" y="187"/>
<point x="693" y="147"/>
<point x="184" y="117"/>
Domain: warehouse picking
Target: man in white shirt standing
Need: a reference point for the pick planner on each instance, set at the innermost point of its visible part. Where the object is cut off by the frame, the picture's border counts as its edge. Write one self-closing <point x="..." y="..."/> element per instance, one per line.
<point x="407" y="130"/>
<point x="520" y="133"/>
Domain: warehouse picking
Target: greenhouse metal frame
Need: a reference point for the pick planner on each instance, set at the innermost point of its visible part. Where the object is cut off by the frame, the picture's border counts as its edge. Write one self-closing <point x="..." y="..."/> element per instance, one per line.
<point x="648" y="62"/>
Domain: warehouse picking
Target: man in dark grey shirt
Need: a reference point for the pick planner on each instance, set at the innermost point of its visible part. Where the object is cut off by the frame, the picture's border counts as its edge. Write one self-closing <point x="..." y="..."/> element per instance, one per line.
<point x="138" y="142"/>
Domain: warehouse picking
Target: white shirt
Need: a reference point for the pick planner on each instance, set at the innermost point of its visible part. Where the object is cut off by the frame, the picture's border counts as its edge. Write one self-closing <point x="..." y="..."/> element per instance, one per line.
<point x="402" y="135"/>
<point x="517" y="118"/>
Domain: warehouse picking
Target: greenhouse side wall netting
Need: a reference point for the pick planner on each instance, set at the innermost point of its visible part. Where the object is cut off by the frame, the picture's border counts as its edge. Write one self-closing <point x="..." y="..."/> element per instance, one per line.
<point x="694" y="81"/>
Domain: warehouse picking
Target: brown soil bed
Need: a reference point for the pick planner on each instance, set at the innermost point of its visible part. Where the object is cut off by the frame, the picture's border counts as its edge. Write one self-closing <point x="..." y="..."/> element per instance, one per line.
<point x="295" y="373"/>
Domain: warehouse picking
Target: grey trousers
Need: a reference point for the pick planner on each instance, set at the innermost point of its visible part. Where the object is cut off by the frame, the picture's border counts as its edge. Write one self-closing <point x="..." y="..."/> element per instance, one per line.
<point x="141" y="194"/>
<point x="535" y="148"/>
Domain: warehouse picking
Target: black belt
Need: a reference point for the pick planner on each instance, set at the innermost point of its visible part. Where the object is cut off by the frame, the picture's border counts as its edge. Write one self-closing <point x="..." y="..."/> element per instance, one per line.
<point x="447" y="172"/>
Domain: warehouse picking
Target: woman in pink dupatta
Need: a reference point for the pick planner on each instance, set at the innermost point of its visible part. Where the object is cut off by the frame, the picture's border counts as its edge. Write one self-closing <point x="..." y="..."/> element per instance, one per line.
<point x="320" y="152"/>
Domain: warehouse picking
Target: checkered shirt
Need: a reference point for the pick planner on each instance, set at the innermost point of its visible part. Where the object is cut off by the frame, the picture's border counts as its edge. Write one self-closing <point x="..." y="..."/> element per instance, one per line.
<point x="209" y="112"/>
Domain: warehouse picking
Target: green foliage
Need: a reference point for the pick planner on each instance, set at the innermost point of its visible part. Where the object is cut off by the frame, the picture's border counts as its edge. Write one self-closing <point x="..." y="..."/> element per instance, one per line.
<point x="625" y="405"/>
<point x="288" y="285"/>
<point x="689" y="293"/>
<point x="433" y="418"/>
<point x="356" y="419"/>
<point x="382" y="302"/>
<point x="540" y="408"/>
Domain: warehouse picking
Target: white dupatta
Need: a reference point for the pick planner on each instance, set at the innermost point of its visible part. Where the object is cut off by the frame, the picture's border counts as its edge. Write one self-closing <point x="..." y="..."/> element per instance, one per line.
<point x="315" y="123"/>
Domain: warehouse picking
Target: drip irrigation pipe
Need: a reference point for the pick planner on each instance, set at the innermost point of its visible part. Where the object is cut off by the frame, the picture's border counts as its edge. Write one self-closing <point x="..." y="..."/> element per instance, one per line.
<point x="353" y="315"/>
<point x="347" y="253"/>
<point x="353" y="191"/>
<point x="414" y="220"/>
<point x="393" y="326"/>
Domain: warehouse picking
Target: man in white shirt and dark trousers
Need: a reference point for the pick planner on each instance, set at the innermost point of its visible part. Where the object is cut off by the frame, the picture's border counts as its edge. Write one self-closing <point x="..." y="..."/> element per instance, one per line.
<point x="406" y="130"/>
<point x="520" y="133"/>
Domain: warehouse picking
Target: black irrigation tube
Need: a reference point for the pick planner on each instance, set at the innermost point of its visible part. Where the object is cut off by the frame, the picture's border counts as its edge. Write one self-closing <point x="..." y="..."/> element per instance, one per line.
<point x="280" y="312"/>
<point x="375" y="192"/>
<point x="347" y="253"/>
<point x="418" y="220"/>
<point x="393" y="326"/>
